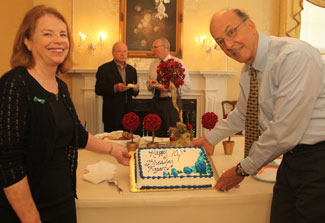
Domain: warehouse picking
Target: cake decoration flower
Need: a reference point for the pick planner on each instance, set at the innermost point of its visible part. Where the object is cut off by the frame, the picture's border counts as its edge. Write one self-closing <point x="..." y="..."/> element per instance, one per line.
<point x="131" y="122"/>
<point x="209" y="120"/>
<point x="187" y="170"/>
<point x="201" y="167"/>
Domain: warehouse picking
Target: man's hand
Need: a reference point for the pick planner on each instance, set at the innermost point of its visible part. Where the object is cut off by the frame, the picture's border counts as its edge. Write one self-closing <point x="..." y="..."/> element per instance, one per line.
<point x="228" y="180"/>
<point x="202" y="141"/>
<point x="152" y="83"/>
<point x="136" y="88"/>
<point x="120" y="87"/>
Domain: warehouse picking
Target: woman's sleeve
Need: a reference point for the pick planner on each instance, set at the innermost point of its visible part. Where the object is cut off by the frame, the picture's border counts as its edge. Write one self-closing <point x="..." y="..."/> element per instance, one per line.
<point x="13" y="128"/>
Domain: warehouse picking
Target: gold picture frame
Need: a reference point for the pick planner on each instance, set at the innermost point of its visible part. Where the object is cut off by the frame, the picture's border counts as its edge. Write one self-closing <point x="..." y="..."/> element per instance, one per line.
<point x="143" y="21"/>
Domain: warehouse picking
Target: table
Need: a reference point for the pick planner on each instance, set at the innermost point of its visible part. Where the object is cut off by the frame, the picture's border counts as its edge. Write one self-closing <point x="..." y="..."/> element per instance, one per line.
<point x="250" y="203"/>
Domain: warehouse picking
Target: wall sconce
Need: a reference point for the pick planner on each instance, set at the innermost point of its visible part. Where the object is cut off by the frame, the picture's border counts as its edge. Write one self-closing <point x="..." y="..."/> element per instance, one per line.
<point x="91" y="41"/>
<point x="102" y="37"/>
<point x="209" y="45"/>
<point x="206" y="45"/>
<point x="82" y="37"/>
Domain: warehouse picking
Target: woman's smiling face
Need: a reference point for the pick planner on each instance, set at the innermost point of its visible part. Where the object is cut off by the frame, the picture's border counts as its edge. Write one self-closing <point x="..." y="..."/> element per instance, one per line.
<point x="49" y="42"/>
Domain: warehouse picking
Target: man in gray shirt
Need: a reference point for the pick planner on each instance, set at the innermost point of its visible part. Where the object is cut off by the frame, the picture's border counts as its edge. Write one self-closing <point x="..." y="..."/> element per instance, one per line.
<point x="291" y="116"/>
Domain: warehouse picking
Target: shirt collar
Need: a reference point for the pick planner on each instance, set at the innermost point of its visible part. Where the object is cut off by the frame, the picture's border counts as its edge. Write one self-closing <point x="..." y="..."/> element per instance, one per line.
<point x="167" y="57"/>
<point x="262" y="49"/>
<point x="125" y="64"/>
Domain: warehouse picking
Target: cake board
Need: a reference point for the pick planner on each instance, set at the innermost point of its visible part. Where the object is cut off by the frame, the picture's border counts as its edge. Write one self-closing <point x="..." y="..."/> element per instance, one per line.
<point x="132" y="178"/>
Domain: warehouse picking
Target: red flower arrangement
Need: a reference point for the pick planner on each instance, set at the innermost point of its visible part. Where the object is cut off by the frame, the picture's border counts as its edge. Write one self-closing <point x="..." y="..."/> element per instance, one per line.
<point x="209" y="120"/>
<point x="180" y="130"/>
<point x="171" y="70"/>
<point x="189" y="127"/>
<point x="152" y="122"/>
<point x="131" y="122"/>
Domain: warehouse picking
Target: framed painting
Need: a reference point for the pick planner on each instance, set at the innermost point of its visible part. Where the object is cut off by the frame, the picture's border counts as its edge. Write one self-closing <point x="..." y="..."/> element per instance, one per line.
<point x="143" y="21"/>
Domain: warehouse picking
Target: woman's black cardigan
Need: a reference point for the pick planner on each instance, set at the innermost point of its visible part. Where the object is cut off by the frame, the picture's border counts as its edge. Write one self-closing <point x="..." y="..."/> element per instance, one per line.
<point x="27" y="130"/>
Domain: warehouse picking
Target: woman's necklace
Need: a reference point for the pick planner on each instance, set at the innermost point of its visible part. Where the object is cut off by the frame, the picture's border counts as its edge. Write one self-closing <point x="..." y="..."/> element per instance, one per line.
<point x="45" y="84"/>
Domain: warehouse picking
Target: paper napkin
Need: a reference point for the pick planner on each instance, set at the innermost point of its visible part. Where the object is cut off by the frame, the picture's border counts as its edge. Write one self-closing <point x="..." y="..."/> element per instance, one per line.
<point x="100" y="172"/>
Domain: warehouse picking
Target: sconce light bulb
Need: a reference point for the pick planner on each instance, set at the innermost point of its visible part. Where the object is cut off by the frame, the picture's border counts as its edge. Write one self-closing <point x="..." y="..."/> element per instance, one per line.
<point x="102" y="35"/>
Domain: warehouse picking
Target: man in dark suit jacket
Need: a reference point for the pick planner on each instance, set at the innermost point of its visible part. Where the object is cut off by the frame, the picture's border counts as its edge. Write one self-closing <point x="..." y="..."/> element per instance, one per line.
<point x="116" y="81"/>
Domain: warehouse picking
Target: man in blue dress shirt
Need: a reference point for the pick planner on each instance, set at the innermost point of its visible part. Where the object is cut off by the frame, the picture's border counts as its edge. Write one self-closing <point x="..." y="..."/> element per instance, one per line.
<point x="291" y="115"/>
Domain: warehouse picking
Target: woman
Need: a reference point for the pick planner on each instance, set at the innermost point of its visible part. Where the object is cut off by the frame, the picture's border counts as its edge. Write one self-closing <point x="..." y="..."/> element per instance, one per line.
<point x="39" y="128"/>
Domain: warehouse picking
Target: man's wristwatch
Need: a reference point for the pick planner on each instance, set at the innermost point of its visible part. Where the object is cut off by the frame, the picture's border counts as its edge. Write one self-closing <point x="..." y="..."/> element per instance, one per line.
<point x="240" y="171"/>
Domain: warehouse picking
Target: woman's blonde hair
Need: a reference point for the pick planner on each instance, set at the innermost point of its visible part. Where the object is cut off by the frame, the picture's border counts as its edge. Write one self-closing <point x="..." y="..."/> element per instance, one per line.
<point x="21" y="56"/>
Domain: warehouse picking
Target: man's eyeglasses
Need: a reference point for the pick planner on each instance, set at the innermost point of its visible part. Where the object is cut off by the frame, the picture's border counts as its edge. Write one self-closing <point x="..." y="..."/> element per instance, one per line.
<point x="229" y="33"/>
<point x="121" y="51"/>
<point x="155" y="47"/>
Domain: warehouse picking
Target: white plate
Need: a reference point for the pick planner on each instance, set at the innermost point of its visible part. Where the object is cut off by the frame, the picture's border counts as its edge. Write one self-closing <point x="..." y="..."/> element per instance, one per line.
<point x="117" y="134"/>
<point x="157" y="139"/>
<point x="268" y="172"/>
<point x="157" y="85"/>
<point x="131" y="85"/>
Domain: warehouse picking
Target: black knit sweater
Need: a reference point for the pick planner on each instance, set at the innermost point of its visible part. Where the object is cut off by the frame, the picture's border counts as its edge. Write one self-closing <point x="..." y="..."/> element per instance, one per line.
<point x="27" y="130"/>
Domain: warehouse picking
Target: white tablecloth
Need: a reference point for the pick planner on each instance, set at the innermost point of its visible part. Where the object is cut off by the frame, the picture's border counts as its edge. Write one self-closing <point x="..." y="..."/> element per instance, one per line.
<point x="250" y="203"/>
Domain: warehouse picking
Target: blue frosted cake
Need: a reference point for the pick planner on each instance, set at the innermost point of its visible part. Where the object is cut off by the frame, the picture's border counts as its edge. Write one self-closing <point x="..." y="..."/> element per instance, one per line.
<point x="173" y="168"/>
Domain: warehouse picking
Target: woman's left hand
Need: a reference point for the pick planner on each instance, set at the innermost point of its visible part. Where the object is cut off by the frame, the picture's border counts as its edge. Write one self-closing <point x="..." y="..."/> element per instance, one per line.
<point x="121" y="154"/>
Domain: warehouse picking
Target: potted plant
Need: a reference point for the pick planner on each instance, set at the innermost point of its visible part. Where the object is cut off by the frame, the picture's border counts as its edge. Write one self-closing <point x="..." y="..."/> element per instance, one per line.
<point x="209" y="120"/>
<point x="228" y="145"/>
<point x="152" y="122"/>
<point x="131" y="122"/>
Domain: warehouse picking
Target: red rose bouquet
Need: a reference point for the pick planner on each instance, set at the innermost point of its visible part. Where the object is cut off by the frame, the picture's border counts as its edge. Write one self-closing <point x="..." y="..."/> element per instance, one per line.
<point x="171" y="71"/>
<point x="152" y="122"/>
<point x="131" y="122"/>
<point x="209" y="120"/>
<point x="171" y="74"/>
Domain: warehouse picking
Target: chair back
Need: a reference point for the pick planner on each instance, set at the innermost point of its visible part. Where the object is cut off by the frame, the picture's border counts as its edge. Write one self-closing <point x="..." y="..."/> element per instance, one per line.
<point x="228" y="106"/>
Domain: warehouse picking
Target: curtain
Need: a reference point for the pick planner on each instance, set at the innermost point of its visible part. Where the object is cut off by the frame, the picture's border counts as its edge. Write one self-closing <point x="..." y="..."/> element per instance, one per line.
<point x="290" y="17"/>
<point x="320" y="3"/>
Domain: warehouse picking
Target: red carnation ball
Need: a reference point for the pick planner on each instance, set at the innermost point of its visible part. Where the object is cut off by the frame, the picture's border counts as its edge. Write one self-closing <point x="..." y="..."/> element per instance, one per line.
<point x="131" y="121"/>
<point x="189" y="127"/>
<point x="151" y="122"/>
<point x="209" y="120"/>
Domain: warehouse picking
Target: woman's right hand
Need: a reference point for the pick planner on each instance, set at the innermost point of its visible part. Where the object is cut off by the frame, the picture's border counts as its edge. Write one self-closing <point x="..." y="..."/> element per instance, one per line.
<point x="121" y="154"/>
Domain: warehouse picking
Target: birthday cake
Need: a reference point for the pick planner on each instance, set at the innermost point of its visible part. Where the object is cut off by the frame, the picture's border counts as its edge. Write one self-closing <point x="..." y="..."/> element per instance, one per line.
<point x="173" y="168"/>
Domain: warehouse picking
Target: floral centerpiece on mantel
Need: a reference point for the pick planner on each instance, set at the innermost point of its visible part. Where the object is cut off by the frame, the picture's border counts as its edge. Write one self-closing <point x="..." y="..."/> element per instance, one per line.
<point x="131" y="122"/>
<point x="209" y="120"/>
<point x="171" y="74"/>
